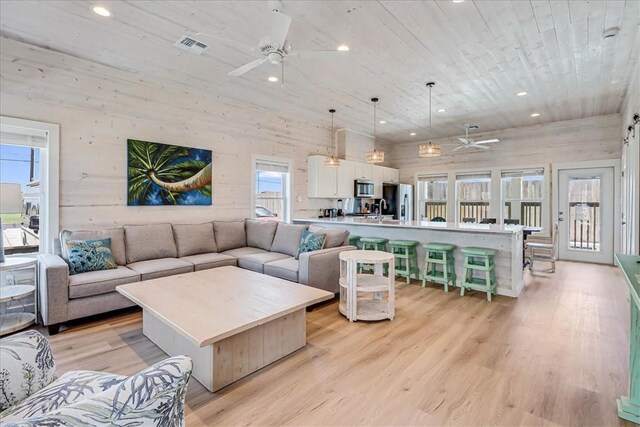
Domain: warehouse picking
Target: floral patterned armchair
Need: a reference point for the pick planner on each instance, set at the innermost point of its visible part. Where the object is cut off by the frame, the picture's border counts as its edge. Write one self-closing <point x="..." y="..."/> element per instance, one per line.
<point x="31" y="396"/>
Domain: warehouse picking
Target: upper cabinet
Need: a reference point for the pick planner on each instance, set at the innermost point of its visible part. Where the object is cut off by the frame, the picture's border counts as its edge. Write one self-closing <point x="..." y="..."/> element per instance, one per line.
<point x="390" y="175"/>
<point x="332" y="183"/>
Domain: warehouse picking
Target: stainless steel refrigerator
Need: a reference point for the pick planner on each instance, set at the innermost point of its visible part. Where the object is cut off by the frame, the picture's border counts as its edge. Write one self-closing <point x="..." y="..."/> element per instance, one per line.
<point x="399" y="201"/>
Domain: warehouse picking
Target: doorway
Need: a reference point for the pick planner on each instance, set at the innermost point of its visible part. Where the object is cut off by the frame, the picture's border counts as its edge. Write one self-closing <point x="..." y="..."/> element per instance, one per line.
<point x="586" y="214"/>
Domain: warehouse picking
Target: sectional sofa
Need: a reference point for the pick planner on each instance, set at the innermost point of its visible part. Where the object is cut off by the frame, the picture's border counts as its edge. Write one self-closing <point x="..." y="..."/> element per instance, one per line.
<point x="144" y="252"/>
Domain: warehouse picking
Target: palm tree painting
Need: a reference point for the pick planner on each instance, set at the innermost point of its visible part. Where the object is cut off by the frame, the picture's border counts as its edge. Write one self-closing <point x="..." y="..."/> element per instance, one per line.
<point x="162" y="174"/>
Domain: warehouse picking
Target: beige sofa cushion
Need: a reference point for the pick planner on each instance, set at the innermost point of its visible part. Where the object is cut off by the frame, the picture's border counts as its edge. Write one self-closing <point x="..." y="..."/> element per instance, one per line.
<point x="193" y="239"/>
<point x="149" y="242"/>
<point x="115" y="234"/>
<point x="155" y="268"/>
<point x="260" y="233"/>
<point x="229" y="235"/>
<point x="210" y="260"/>
<point x="100" y="282"/>
<point x="287" y="238"/>
<point x="256" y="262"/>
<point x="240" y="252"/>
<point x="286" y="268"/>
<point x="335" y="236"/>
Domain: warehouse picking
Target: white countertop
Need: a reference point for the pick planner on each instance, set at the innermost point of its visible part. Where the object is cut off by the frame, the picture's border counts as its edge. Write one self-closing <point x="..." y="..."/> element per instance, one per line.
<point x="442" y="226"/>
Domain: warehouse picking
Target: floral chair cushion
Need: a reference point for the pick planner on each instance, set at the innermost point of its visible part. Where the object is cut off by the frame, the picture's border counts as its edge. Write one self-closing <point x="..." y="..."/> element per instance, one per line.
<point x="90" y="255"/>
<point x="152" y="397"/>
<point x="68" y="389"/>
<point x="310" y="242"/>
<point x="27" y="366"/>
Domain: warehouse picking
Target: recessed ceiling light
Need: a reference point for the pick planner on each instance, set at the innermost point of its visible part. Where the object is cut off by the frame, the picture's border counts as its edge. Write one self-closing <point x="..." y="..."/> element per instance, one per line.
<point x="382" y="122"/>
<point x="412" y="134"/>
<point x="343" y="48"/>
<point x="458" y="1"/>
<point x="101" y="11"/>
<point x="442" y="110"/>
<point x="523" y="93"/>
<point x="535" y="114"/>
<point x="273" y="79"/>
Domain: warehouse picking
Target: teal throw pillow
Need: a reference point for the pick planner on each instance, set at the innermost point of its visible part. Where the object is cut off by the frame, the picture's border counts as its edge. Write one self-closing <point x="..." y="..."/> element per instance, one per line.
<point x="90" y="255"/>
<point x="310" y="242"/>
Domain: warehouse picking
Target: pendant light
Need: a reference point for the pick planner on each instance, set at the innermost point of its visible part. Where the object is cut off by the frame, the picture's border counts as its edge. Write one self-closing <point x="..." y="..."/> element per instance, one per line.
<point x="429" y="149"/>
<point x="333" y="161"/>
<point x="374" y="156"/>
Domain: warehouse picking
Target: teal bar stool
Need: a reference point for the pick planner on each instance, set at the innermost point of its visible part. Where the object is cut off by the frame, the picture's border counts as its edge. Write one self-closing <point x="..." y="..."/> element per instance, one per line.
<point x="354" y="241"/>
<point x="482" y="260"/>
<point x="406" y="257"/>
<point x="439" y="254"/>
<point x="373" y="244"/>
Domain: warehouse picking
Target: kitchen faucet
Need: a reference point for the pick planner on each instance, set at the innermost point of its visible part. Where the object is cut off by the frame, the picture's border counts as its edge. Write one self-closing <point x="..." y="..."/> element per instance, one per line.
<point x="382" y="202"/>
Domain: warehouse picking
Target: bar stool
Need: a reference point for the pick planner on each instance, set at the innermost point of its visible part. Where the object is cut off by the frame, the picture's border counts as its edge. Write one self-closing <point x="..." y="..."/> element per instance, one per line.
<point x="406" y="255"/>
<point x="479" y="259"/>
<point x="372" y="244"/>
<point x="439" y="254"/>
<point x="354" y="241"/>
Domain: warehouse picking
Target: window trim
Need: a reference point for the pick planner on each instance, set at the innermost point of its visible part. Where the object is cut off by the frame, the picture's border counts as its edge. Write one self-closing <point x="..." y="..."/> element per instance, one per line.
<point x="419" y="201"/>
<point x="544" y="218"/>
<point x="255" y="159"/>
<point x="49" y="174"/>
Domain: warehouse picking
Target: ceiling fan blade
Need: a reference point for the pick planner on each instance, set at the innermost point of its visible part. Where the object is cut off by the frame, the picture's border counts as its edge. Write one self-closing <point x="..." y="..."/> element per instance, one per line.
<point x="247" y="67"/>
<point x="464" y="140"/>
<point x="319" y="54"/>
<point x="482" y="147"/>
<point x="487" y="141"/>
<point x="459" y="148"/>
<point x="280" y="29"/>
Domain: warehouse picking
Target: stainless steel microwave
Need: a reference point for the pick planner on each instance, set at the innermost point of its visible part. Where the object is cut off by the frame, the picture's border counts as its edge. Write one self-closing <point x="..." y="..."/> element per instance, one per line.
<point x="363" y="188"/>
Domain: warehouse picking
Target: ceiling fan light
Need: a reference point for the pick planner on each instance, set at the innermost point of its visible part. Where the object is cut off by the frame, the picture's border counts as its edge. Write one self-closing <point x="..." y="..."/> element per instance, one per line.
<point x="375" y="156"/>
<point x="332" y="162"/>
<point x="429" y="150"/>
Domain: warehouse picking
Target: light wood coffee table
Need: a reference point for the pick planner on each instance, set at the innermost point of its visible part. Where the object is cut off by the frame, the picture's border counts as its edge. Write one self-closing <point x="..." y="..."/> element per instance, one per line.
<point x="230" y="321"/>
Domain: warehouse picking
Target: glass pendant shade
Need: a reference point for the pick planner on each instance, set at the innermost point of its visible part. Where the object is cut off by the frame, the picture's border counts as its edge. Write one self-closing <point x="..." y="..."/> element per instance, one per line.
<point x="429" y="150"/>
<point x="332" y="162"/>
<point x="375" y="156"/>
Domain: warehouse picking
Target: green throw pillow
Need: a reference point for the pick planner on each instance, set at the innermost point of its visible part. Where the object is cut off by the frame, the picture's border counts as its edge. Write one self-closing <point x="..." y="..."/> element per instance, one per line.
<point x="90" y="255"/>
<point x="310" y="242"/>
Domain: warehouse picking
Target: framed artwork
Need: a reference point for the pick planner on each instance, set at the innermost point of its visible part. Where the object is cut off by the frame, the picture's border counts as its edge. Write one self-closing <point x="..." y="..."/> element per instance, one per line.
<point x="164" y="174"/>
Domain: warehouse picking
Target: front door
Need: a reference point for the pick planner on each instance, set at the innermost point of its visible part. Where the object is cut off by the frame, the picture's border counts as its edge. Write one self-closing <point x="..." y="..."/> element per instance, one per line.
<point x="585" y="214"/>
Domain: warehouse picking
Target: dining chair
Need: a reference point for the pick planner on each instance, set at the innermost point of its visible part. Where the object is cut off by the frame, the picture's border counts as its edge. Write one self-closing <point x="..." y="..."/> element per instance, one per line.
<point x="469" y="220"/>
<point x="544" y="251"/>
<point x="511" y="222"/>
<point x="489" y="221"/>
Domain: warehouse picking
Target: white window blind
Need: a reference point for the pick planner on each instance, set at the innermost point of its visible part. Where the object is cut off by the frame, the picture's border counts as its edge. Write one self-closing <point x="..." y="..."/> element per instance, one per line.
<point x="271" y="166"/>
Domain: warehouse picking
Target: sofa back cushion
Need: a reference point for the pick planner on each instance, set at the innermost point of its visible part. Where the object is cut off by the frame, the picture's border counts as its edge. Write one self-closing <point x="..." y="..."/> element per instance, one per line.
<point x="260" y="233"/>
<point x="335" y="236"/>
<point x="115" y="234"/>
<point x="149" y="242"/>
<point x="194" y="239"/>
<point x="287" y="238"/>
<point x="229" y="235"/>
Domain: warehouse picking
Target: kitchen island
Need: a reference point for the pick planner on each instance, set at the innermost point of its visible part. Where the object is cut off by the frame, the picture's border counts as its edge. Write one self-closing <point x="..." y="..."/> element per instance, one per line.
<point x="506" y="239"/>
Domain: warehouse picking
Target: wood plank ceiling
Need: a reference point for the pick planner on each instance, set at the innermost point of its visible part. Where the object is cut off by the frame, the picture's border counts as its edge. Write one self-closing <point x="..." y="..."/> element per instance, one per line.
<point x="480" y="54"/>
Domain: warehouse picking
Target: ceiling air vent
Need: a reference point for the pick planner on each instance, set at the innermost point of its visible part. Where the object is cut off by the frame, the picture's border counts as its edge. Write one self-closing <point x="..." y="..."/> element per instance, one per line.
<point x="191" y="45"/>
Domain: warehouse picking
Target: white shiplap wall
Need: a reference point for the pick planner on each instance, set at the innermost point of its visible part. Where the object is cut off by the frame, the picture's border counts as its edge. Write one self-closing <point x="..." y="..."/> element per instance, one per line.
<point x="99" y="107"/>
<point x="595" y="138"/>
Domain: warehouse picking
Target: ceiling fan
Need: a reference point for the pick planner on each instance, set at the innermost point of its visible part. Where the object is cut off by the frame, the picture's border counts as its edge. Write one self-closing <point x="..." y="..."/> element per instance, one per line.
<point x="466" y="142"/>
<point x="275" y="47"/>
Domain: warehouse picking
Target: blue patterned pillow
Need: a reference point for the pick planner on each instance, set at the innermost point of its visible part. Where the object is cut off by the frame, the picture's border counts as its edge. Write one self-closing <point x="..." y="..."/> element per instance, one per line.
<point x="90" y="255"/>
<point x="310" y="242"/>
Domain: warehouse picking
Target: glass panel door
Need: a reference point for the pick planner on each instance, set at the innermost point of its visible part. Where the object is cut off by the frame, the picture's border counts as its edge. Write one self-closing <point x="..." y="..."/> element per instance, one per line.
<point x="585" y="214"/>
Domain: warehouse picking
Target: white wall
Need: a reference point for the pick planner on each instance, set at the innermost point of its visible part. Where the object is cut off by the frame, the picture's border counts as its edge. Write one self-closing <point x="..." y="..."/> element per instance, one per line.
<point x="595" y="138"/>
<point x="99" y="108"/>
<point x="631" y="167"/>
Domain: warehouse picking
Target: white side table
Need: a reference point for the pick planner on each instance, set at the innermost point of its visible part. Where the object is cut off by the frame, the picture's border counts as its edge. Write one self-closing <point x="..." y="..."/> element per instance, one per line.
<point x="371" y="304"/>
<point x="11" y="322"/>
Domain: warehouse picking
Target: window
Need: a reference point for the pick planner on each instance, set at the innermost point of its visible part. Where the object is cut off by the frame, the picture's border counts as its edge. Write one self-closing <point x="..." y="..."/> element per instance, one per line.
<point x="272" y="190"/>
<point x="473" y="193"/>
<point x="523" y="197"/>
<point x="432" y="197"/>
<point x="29" y="158"/>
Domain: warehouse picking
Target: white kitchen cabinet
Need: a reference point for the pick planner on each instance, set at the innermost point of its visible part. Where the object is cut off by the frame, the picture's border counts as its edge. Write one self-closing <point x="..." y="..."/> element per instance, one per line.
<point x="391" y="175"/>
<point x="346" y="178"/>
<point x="378" y="177"/>
<point x="322" y="181"/>
<point x="363" y="171"/>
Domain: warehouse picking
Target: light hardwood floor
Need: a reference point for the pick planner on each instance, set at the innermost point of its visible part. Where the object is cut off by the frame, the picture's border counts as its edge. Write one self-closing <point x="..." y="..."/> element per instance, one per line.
<point x="555" y="356"/>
